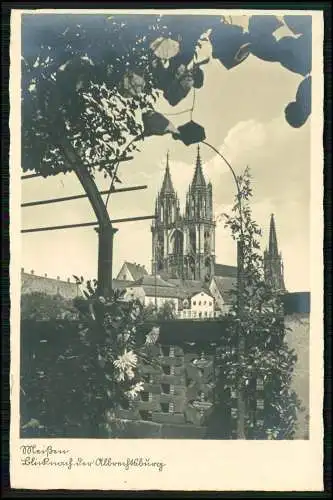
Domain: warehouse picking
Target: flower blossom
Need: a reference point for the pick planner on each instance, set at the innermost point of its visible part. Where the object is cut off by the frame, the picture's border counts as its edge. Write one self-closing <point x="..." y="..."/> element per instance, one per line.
<point x="125" y="364"/>
<point x="133" y="392"/>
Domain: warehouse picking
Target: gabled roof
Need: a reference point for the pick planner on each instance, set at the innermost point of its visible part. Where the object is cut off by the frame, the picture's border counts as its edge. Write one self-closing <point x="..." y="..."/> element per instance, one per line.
<point x="202" y="291"/>
<point x="225" y="286"/>
<point x="136" y="270"/>
<point x="225" y="270"/>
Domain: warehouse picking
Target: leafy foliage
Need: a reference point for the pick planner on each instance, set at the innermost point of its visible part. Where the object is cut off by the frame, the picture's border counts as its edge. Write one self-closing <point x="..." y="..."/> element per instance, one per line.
<point x="94" y="372"/>
<point x="165" y="312"/>
<point x="86" y="79"/>
<point x="256" y="336"/>
<point x="41" y="306"/>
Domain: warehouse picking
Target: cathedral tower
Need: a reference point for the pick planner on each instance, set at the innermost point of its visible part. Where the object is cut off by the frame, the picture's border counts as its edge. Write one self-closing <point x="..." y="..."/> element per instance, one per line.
<point x="199" y="227"/>
<point x="273" y="265"/>
<point x="167" y="235"/>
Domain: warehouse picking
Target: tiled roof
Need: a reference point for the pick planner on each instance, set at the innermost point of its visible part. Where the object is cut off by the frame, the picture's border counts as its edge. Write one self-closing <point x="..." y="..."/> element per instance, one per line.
<point x="153" y="281"/>
<point x="225" y="270"/>
<point x="162" y="291"/>
<point x="190" y="286"/>
<point x="136" y="270"/>
<point x="225" y="285"/>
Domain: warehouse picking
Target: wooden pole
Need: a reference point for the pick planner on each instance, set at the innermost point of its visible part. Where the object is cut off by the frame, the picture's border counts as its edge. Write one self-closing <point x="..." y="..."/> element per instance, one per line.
<point x="84" y="224"/>
<point x="79" y="196"/>
<point x="105" y="258"/>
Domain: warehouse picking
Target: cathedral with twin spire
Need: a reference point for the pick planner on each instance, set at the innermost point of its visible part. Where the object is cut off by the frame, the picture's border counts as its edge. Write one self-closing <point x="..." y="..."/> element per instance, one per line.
<point x="183" y="244"/>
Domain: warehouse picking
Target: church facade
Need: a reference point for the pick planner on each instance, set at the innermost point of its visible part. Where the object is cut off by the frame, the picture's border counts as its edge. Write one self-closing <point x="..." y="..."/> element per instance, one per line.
<point x="183" y="244"/>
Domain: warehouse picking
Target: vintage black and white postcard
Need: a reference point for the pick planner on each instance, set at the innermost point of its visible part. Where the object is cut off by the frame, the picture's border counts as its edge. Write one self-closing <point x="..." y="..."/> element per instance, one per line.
<point x="166" y="250"/>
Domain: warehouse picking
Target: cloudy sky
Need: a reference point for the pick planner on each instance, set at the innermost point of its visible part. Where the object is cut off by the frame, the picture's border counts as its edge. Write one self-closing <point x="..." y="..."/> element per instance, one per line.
<point x="242" y="110"/>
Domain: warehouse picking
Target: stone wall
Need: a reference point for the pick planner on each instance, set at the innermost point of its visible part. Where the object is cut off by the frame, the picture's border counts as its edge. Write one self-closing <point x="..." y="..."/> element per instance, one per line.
<point x="30" y="283"/>
<point x="298" y="338"/>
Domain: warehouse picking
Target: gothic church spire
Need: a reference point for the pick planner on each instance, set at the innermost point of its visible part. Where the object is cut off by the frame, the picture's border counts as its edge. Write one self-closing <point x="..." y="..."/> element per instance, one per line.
<point x="167" y="186"/>
<point x="198" y="178"/>
<point x="272" y="243"/>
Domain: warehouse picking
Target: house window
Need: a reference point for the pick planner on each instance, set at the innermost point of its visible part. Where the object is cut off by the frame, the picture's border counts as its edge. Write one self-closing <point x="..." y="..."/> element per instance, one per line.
<point x="199" y="302"/>
<point x="146" y="415"/>
<point x="200" y="314"/>
<point x="171" y="351"/>
<point x="210" y="303"/>
<point x="172" y="389"/>
<point x="172" y="370"/>
<point x="165" y="350"/>
<point x="146" y="396"/>
<point x="260" y="404"/>
<point x="166" y="388"/>
<point x="234" y="412"/>
<point x="165" y="407"/>
<point x="194" y="303"/>
<point x="171" y="407"/>
<point x="205" y="302"/>
<point x="205" y="313"/>
<point x="260" y="384"/>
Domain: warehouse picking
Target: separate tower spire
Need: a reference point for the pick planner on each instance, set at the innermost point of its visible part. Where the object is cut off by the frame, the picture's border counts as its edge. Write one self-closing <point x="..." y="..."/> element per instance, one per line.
<point x="273" y="265"/>
<point x="272" y="244"/>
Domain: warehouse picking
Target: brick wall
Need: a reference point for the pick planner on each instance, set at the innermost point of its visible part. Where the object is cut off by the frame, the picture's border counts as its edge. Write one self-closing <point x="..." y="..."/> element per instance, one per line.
<point x="178" y="389"/>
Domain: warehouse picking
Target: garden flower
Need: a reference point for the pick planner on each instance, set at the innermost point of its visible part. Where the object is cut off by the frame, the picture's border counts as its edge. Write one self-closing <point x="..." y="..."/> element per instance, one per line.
<point x="135" y="390"/>
<point x="125" y="364"/>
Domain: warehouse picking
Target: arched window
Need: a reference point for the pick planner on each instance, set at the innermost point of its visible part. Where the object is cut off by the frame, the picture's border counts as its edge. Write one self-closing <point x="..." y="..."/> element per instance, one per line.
<point x="178" y="242"/>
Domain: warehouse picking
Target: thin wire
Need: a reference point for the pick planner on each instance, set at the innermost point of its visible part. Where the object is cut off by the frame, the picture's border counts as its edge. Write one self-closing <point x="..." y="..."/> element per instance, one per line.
<point x="179" y="112"/>
<point x="193" y="103"/>
<point x="235" y="179"/>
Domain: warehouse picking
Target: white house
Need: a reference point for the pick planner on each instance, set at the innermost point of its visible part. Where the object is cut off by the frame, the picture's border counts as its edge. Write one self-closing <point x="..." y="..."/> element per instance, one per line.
<point x="153" y="290"/>
<point x="200" y="305"/>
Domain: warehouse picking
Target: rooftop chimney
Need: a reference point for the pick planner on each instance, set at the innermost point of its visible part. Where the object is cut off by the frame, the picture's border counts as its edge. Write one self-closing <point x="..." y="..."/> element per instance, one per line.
<point x="22" y="269"/>
<point x="68" y="280"/>
<point x="58" y="277"/>
<point x="45" y="275"/>
<point x="32" y="271"/>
